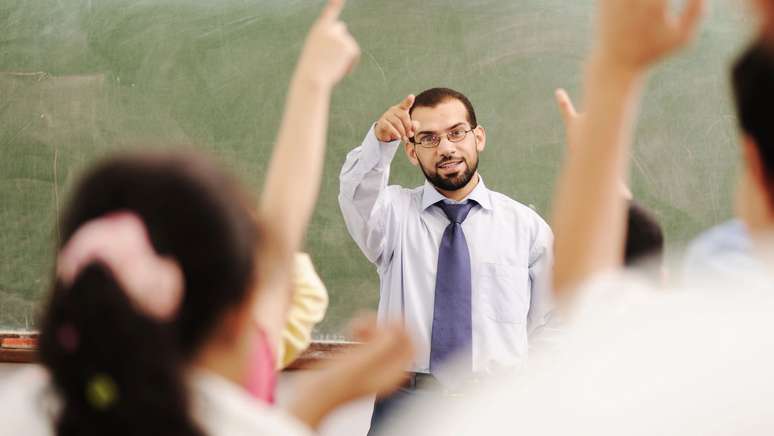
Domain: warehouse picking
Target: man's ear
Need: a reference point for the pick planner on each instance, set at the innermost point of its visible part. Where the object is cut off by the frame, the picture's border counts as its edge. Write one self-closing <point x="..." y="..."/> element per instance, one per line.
<point x="480" y="135"/>
<point x="411" y="153"/>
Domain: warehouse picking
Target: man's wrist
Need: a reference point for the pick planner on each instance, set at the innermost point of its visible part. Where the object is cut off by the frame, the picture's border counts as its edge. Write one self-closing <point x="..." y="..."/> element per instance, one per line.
<point x="376" y="133"/>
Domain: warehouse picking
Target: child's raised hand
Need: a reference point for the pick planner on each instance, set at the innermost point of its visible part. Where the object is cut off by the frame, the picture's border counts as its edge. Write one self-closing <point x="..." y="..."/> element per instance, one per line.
<point x="637" y="33"/>
<point x="330" y="52"/>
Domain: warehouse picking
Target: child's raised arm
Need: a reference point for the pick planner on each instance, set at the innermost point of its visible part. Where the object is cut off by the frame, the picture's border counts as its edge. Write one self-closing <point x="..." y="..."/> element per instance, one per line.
<point x="293" y="178"/>
<point x="589" y="211"/>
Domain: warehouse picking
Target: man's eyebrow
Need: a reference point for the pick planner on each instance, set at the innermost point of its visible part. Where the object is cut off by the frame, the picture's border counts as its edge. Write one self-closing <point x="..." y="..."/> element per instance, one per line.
<point x="433" y="133"/>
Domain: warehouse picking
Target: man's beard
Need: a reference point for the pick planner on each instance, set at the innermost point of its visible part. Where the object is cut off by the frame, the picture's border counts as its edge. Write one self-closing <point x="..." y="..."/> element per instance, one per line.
<point x="453" y="183"/>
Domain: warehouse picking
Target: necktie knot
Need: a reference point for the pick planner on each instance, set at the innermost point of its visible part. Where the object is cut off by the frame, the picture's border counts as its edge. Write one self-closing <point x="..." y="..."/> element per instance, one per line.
<point x="456" y="212"/>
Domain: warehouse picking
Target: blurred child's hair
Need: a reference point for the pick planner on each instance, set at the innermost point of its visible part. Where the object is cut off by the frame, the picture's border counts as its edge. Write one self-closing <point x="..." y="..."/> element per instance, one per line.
<point x="753" y="83"/>
<point x="644" y="247"/>
<point x="117" y="370"/>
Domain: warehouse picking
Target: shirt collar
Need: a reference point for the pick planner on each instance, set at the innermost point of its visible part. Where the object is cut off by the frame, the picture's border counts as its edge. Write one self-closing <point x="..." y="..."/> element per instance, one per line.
<point x="480" y="195"/>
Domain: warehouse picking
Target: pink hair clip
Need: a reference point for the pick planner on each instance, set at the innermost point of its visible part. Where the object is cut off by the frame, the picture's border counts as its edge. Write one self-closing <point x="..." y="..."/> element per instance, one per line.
<point x="120" y="241"/>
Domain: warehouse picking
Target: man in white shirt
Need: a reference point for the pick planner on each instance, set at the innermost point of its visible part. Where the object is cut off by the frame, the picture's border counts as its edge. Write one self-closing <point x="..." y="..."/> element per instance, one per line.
<point x="472" y="285"/>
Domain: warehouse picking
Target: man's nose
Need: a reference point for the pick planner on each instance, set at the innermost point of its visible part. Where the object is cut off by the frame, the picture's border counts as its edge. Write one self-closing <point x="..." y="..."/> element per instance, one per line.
<point x="446" y="147"/>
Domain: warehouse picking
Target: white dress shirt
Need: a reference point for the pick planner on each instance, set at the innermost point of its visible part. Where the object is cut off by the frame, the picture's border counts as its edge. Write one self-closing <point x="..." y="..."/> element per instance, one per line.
<point x="400" y="230"/>
<point x="218" y="406"/>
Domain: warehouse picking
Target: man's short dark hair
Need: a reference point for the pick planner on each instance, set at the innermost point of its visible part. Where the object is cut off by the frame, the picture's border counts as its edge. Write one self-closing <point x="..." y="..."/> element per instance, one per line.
<point x="753" y="82"/>
<point x="435" y="96"/>
<point x="644" y="247"/>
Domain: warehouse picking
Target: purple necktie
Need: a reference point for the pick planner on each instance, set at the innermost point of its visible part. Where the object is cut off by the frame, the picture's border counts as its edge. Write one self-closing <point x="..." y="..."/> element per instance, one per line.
<point x="452" y="333"/>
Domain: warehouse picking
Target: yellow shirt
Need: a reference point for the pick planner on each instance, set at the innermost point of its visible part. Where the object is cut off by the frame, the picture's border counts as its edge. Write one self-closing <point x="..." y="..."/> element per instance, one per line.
<point x="307" y="308"/>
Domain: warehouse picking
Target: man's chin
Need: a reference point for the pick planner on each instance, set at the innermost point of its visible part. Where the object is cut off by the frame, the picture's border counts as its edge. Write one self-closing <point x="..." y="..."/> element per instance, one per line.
<point x="453" y="178"/>
<point x="449" y="183"/>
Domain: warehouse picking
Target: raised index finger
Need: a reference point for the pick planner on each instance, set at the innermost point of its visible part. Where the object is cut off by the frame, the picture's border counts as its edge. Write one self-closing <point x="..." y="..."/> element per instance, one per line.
<point x="690" y="19"/>
<point x="407" y="102"/>
<point x="332" y="10"/>
<point x="565" y="105"/>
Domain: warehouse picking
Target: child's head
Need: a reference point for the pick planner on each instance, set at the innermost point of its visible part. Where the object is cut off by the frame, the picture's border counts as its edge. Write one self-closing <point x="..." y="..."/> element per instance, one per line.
<point x="644" y="244"/>
<point x="115" y="365"/>
<point x="753" y="84"/>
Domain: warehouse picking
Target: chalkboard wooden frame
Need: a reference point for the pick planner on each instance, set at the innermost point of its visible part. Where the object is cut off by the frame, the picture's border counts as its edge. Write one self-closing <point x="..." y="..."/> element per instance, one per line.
<point x="22" y="348"/>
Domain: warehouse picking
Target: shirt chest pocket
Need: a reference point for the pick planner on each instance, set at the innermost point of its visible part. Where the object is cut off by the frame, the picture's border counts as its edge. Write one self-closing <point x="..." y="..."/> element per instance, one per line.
<point x="504" y="292"/>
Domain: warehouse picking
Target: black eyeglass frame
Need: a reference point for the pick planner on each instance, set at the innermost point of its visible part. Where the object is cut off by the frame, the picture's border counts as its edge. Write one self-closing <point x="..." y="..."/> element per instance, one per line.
<point x="437" y="142"/>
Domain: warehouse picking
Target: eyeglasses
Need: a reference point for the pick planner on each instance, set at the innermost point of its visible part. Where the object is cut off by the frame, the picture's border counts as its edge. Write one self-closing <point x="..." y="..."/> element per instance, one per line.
<point x="429" y="140"/>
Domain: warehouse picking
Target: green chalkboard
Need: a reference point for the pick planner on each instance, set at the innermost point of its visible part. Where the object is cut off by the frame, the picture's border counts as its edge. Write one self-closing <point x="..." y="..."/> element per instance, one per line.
<point x="81" y="78"/>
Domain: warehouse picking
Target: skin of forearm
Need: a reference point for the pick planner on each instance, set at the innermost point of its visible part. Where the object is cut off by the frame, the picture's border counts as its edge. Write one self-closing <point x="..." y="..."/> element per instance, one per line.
<point x="290" y="192"/>
<point x="293" y="179"/>
<point x="588" y="188"/>
<point x="319" y="394"/>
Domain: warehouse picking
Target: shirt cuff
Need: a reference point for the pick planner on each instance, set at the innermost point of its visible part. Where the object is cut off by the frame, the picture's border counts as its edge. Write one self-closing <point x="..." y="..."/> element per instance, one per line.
<point x="378" y="154"/>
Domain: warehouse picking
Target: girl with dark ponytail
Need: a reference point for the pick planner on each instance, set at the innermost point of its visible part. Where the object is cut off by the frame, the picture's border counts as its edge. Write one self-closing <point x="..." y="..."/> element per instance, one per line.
<point x="119" y="326"/>
<point x="150" y="328"/>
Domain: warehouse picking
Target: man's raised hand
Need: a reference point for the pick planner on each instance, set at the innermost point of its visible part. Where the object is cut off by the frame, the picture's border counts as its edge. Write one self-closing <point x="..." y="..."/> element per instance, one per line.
<point x="396" y="123"/>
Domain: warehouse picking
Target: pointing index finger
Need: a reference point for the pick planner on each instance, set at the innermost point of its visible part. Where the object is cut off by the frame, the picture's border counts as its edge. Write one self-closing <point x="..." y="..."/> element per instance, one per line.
<point x="407" y="102"/>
